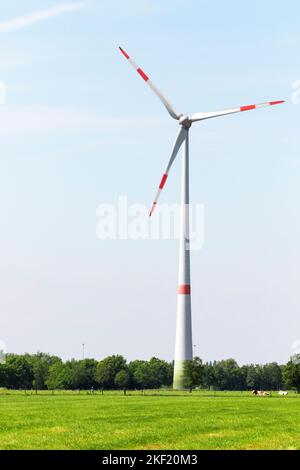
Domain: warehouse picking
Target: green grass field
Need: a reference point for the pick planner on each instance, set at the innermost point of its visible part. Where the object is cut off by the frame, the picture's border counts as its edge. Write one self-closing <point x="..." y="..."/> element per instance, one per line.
<point x="157" y="420"/>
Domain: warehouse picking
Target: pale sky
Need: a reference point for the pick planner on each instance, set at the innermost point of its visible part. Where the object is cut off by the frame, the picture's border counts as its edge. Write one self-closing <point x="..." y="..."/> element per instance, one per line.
<point x="81" y="129"/>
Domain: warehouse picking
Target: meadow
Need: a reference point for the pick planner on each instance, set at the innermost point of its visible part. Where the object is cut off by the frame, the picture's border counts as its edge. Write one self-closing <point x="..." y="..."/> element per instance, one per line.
<point x="153" y="420"/>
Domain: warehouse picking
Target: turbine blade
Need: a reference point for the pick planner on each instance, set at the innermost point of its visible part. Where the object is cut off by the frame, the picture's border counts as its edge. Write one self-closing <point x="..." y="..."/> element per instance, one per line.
<point x="171" y="110"/>
<point x="179" y="141"/>
<point x="202" y="116"/>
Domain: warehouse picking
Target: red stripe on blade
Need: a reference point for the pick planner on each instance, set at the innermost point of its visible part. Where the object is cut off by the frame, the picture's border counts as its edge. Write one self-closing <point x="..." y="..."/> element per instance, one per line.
<point x="272" y="103"/>
<point x="143" y="75"/>
<point x="163" y="181"/>
<point x="152" y="208"/>
<point x="124" y="53"/>
<point x="184" y="289"/>
<point x="248" y="108"/>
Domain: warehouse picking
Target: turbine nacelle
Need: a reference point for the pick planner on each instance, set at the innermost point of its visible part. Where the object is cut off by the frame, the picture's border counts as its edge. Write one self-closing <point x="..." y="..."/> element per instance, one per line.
<point x="185" y="122"/>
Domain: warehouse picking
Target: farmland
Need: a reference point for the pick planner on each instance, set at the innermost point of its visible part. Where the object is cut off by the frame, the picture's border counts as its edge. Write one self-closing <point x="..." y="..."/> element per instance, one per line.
<point x="153" y="420"/>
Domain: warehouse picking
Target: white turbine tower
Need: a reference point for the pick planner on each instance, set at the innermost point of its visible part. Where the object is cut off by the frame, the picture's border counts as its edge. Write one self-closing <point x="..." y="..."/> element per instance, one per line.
<point x="184" y="345"/>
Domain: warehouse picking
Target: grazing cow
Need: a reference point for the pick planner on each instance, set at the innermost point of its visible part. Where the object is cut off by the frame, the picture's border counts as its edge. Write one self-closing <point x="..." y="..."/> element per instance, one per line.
<point x="282" y="393"/>
<point x="260" y="393"/>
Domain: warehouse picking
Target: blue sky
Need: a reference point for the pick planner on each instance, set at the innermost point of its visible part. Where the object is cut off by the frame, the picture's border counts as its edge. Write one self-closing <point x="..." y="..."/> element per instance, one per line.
<point x="80" y="128"/>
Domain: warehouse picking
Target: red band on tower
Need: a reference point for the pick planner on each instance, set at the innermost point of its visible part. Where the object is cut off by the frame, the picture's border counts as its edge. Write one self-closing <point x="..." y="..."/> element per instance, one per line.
<point x="184" y="289"/>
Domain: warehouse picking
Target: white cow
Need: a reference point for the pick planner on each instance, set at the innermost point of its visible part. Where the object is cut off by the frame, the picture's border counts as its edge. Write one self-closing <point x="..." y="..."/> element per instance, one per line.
<point x="282" y="393"/>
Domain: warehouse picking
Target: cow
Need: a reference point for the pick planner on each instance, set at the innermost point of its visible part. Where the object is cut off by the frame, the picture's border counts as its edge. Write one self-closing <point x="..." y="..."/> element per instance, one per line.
<point x="260" y="393"/>
<point x="283" y="393"/>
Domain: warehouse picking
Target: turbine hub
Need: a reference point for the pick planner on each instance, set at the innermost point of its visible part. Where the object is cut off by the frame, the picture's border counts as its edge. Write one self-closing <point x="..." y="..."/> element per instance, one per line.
<point x="185" y="122"/>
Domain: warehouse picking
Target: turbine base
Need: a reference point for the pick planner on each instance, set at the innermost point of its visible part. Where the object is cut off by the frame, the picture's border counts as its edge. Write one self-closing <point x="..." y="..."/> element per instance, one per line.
<point x="181" y="378"/>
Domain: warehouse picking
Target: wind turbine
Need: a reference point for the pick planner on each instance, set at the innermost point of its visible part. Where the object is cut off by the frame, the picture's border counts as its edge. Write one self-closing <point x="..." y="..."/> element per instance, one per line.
<point x="184" y="345"/>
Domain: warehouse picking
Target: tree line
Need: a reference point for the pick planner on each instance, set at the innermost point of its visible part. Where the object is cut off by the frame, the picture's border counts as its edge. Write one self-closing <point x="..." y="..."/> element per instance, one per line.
<point x="45" y="372"/>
